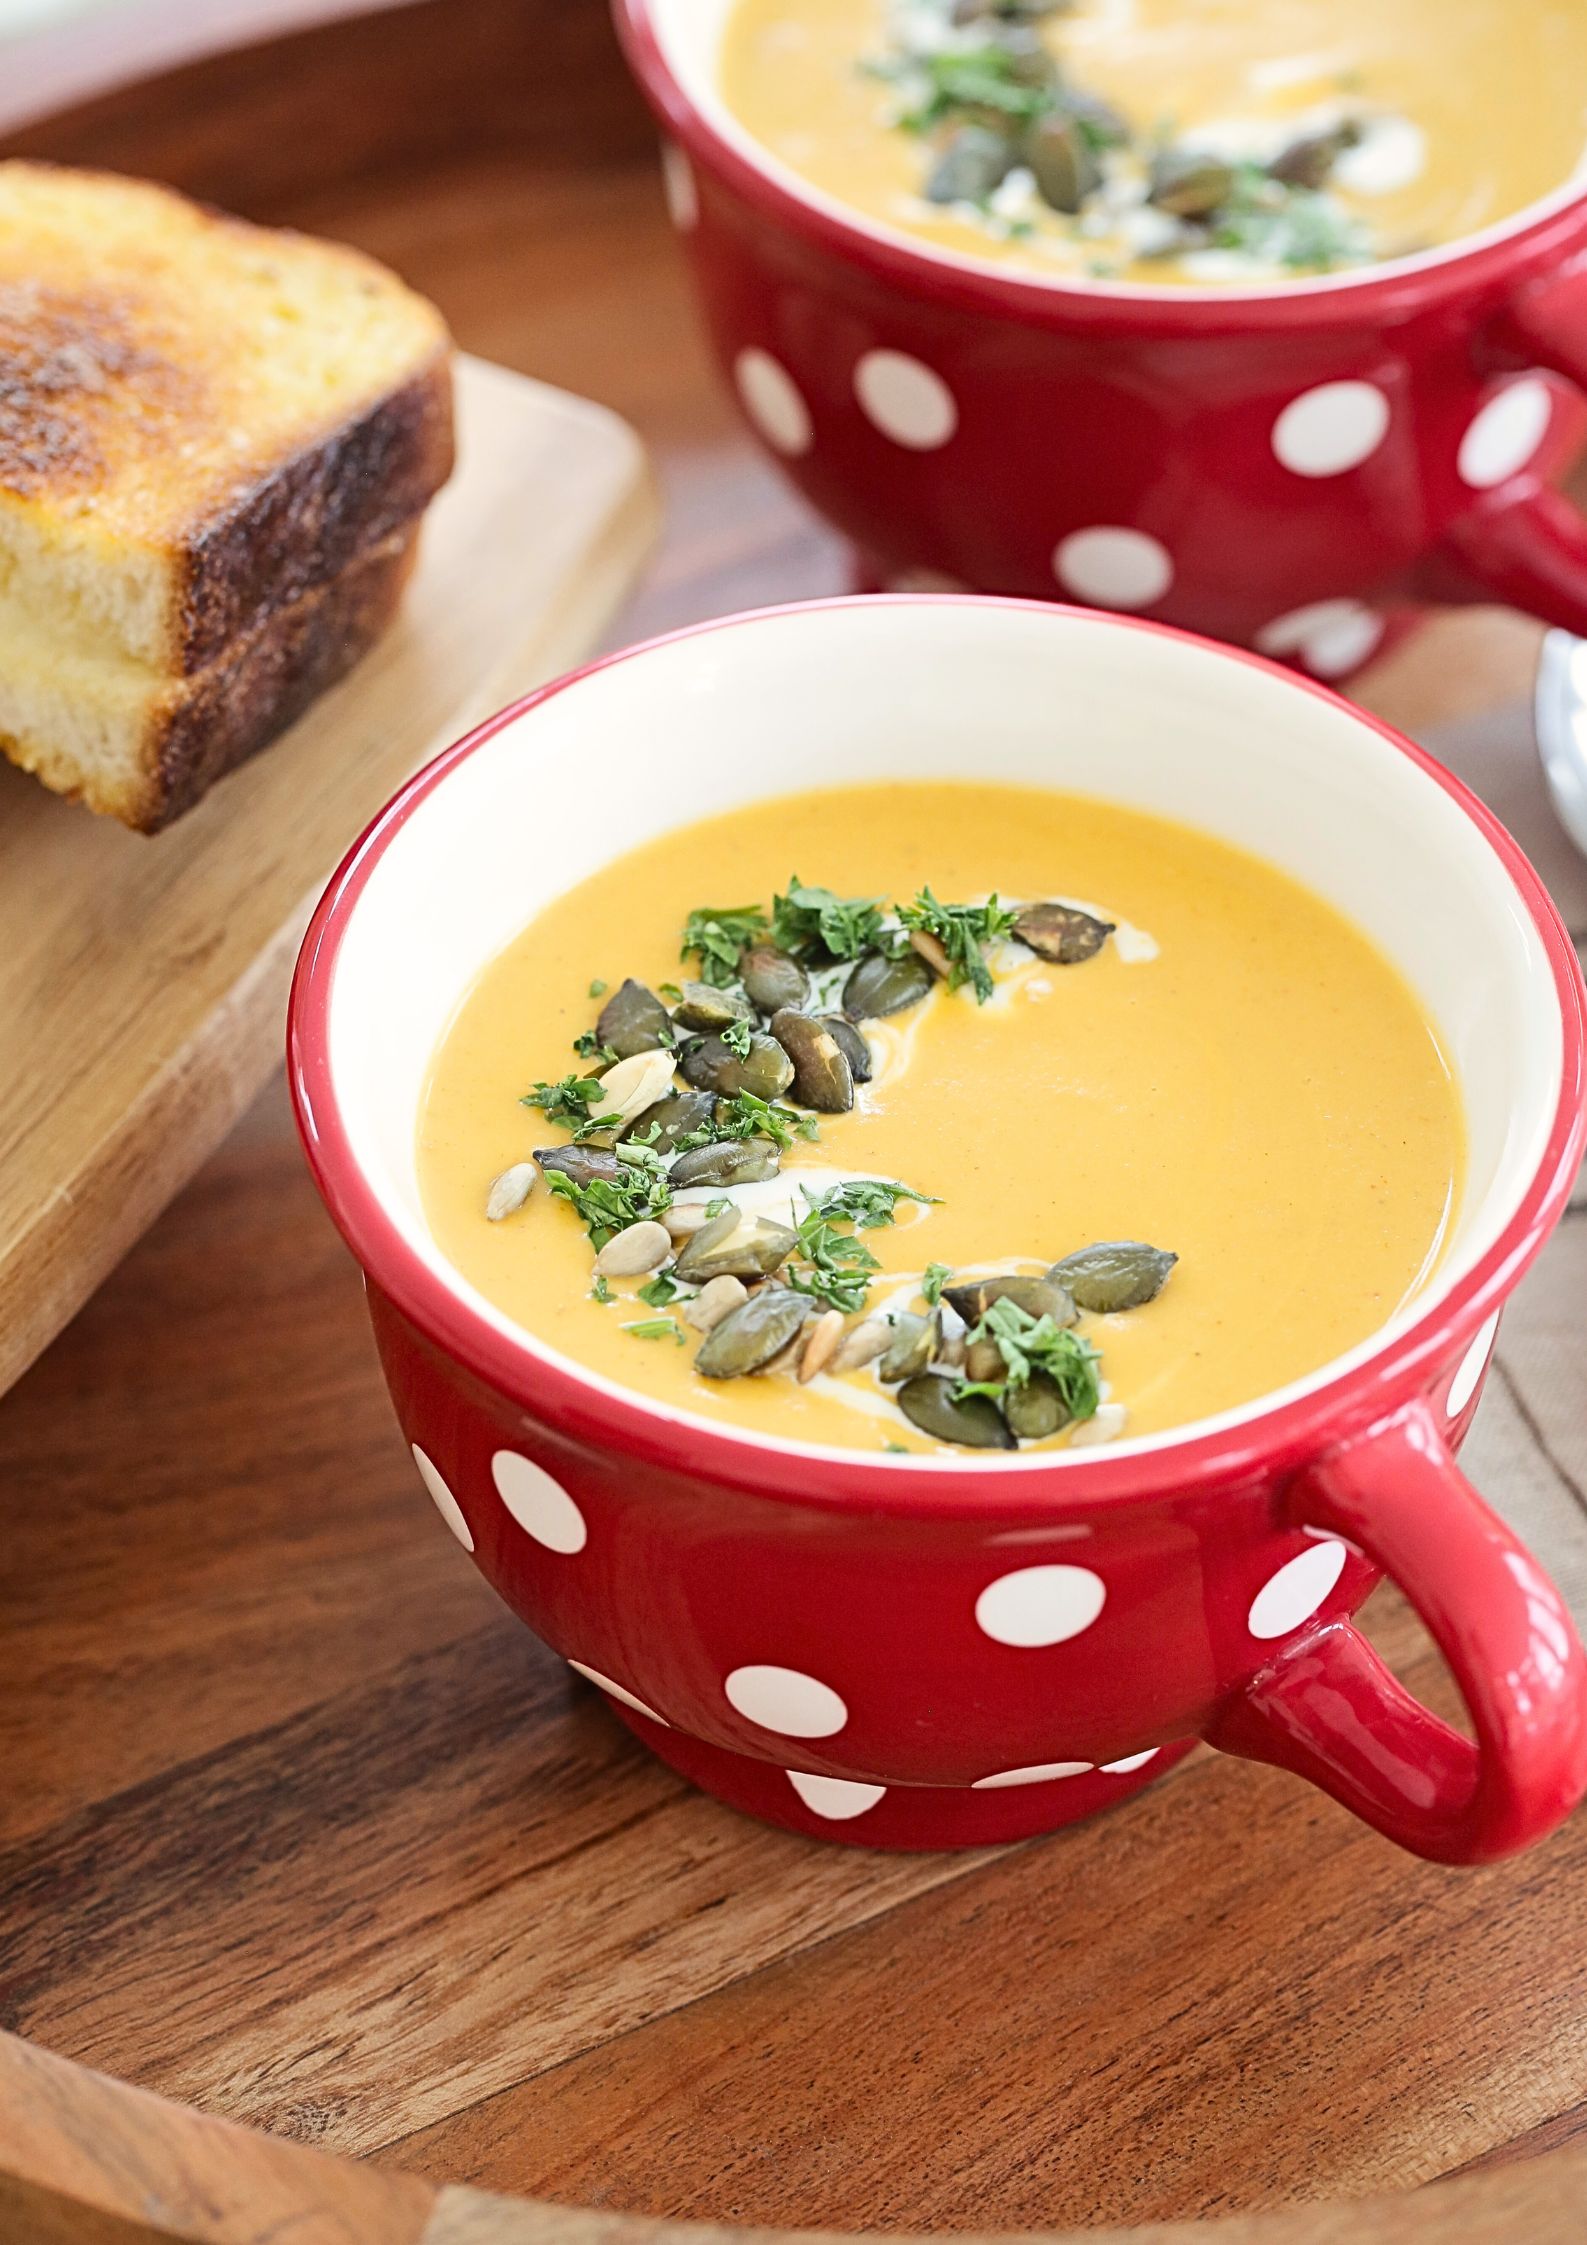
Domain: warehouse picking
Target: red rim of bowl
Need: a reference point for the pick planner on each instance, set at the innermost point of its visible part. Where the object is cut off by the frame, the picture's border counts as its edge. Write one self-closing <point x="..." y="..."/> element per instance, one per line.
<point x="626" y="1422"/>
<point x="1323" y="299"/>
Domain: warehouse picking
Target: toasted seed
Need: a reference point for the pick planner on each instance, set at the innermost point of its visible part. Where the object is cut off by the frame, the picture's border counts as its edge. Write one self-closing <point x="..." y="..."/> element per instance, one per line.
<point x="1060" y="933"/>
<point x="1190" y="183"/>
<point x="1038" y="1297"/>
<point x="1106" y="1424"/>
<point x="632" y="1020"/>
<point x="1059" y="155"/>
<point x="925" y="946"/>
<point x="863" y="1344"/>
<point x="1035" y="1410"/>
<point x="672" y="1118"/>
<point x="704" y="1007"/>
<point x="973" y="161"/>
<point x="736" y="1245"/>
<point x="1309" y="161"/>
<point x="1118" y="1274"/>
<point x="772" y="979"/>
<point x="509" y="1191"/>
<point x="851" y="1044"/>
<point x="975" y="1422"/>
<point x="880" y="985"/>
<point x="731" y="1161"/>
<point x="765" y="1069"/>
<point x="635" y="1084"/>
<point x="629" y="1254"/>
<point x="952" y="1351"/>
<point x="684" y="1218"/>
<point x="822" y="1077"/>
<point x="751" y="1337"/>
<point x="586" y="1165"/>
<point x="715" y="1301"/>
<point x="820" y="1345"/>
<point x="983" y="1360"/>
<point x="910" y="1348"/>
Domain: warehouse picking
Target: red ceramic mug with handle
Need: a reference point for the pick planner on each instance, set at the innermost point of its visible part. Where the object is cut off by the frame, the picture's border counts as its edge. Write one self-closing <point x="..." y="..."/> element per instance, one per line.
<point x="1289" y="467"/>
<point x="931" y="1651"/>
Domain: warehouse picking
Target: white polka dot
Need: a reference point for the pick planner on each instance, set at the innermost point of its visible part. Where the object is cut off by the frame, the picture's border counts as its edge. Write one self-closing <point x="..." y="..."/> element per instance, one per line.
<point x="1464" y="1385"/>
<point x="541" y="1506"/>
<point x="836" y="1798"/>
<point x="1113" y="567"/>
<point x="1038" y="1773"/>
<point x="445" y="1503"/>
<point x="1130" y="1762"/>
<point x="1040" y="1605"/>
<point x="1330" y="637"/>
<point x="683" y="197"/>
<point x="618" y="1691"/>
<point x="1506" y="433"/>
<point x="905" y="400"/>
<point x="1297" y="1590"/>
<point x="1330" y="429"/>
<point x="773" y="402"/>
<point x="787" y="1701"/>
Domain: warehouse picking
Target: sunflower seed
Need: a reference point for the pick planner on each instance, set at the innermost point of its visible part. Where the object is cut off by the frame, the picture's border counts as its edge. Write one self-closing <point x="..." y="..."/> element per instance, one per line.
<point x="820" y="1345"/>
<point x="643" y="1247"/>
<point x="509" y="1191"/>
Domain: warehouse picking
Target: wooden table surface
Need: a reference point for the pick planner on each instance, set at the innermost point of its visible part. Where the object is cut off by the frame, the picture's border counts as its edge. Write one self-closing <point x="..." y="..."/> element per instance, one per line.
<point x="299" y="1826"/>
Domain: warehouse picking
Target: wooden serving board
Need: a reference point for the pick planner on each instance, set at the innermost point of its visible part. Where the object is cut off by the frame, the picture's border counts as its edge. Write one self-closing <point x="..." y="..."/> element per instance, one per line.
<point x="142" y="982"/>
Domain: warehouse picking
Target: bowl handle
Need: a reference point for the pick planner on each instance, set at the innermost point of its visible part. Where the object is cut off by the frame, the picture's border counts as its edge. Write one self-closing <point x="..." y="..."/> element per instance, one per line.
<point x="1523" y="542"/>
<point x="1328" y="1709"/>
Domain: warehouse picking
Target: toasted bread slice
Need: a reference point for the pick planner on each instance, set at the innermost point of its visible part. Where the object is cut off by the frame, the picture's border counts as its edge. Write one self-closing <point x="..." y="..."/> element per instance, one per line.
<point x="202" y="425"/>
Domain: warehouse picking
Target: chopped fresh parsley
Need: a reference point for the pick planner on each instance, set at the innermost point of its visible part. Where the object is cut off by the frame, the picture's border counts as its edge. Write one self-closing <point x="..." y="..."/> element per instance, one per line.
<point x="1035" y="1344"/>
<point x="660" y="1290"/>
<point x="715" y="934"/>
<point x="570" y="1102"/>
<point x="607" y="1206"/>
<point x="656" y="1329"/>
<point x="589" y="1047"/>
<point x="831" y="1263"/>
<point x="963" y="930"/>
<point x="597" y="988"/>
<point x="936" y="1278"/>
<point x="736" y="1036"/>
<point x="601" y="1291"/>
<point x="954" y="80"/>
<point x="743" y="1115"/>
<point x="811" y="919"/>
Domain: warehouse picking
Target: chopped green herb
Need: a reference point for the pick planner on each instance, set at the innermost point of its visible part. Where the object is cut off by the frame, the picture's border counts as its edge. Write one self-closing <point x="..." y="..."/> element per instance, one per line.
<point x="719" y="1206"/>
<point x="660" y="1290"/>
<point x="601" y="1291"/>
<point x="606" y="1206"/>
<point x="936" y="1278"/>
<point x="744" y="1115"/>
<point x="736" y="1036"/>
<point x="979" y="79"/>
<point x="899" y="1449"/>
<point x="1035" y="1344"/>
<point x="597" y="988"/>
<point x="716" y="934"/>
<point x="569" y="1102"/>
<point x="962" y="930"/>
<point x="669" y="991"/>
<point x="657" y="1329"/>
<point x="589" y="1047"/>
<point x="811" y="919"/>
<point x="831" y="1263"/>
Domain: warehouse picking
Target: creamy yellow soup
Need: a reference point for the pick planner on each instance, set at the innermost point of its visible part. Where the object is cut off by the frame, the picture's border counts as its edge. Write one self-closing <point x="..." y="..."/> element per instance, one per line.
<point x="1463" y="112"/>
<point x="1237" y="1077"/>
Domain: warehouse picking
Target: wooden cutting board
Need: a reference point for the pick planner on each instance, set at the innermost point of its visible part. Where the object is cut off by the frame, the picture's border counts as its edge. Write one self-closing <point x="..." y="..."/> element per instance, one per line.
<point x="142" y="983"/>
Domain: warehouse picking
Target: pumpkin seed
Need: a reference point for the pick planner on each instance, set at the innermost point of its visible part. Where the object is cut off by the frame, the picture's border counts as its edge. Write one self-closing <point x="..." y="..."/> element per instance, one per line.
<point x="880" y="985"/>
<point x="1106" y="1424"/>
<point x="863" y="1344"/>
<point x="586" y="1165"/>
<point x="631" y="1253"/>
<point x="1118" y="1274"/>
<point x="1190" y="183"/>
<point x="971" y="163"/>
<point x="765" y="1069"/>
<point x="672" y="1118"/>
<point x="701" y="1006"/>
<point x="715" y="1301"/>
<point x="736" y="1246"/>
<point x="1060" y="157"/>
<point x="1309" y="161"/>
<point x="509" y="1191"/>
<point x="772" y="979"/>
<point x="974" y="1421"/>
<point x="1038" y="1297"/>
<point x="910" y="1348"/>
<point x="732" y="1161"/>
<point x="983" y="1360"/>
<point x="851" y="1044"/>
<point x="632" y="1020"/>
<point x="635" y="1084"/>
<point x="749" y="1338"/>
<point x="1035" y="1410"/>
<point x="820" y="1345"/>
<point x="822" y="1077"/>
<point x="1060" y="933"/>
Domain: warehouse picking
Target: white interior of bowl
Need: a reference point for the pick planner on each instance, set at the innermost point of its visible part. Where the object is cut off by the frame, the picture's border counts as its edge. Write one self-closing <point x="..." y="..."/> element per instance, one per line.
<point x="689" y="34"/>
<point x="814" y="697"/>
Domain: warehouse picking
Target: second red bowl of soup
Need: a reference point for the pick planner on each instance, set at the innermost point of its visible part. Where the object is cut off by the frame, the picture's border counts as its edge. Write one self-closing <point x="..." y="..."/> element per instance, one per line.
<point x="1362" y="414"/>
<point x="936" y="1180"/>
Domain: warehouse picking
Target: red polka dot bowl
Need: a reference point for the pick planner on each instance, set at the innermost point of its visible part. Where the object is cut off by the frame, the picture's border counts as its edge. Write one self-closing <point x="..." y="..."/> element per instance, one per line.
<point x="931" y="1651"/>
<point x="1296" y="467"/>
